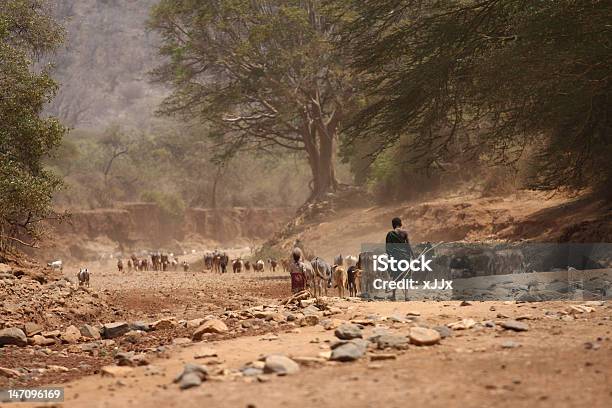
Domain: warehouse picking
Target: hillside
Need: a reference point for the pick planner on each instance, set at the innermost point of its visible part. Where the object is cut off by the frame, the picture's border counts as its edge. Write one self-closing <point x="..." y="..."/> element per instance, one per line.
<point x="525" y="215"/>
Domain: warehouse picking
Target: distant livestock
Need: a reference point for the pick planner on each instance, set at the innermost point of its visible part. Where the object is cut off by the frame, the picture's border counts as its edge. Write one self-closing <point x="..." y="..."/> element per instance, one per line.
<point x="83" y="277"/>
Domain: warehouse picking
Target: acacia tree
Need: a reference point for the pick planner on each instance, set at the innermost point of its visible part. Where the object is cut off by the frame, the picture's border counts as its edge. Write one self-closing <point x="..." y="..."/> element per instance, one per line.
<point x="26" y="188"/>
<point x="261" y="73"/>
<point x="489" y="79"/>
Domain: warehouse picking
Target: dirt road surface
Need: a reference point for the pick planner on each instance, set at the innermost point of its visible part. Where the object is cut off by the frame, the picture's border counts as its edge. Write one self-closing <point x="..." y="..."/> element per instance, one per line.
<point x="562" y="360"/>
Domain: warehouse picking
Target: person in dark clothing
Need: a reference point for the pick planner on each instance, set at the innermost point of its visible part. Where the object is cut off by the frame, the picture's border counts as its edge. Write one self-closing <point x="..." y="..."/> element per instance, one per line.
<point x="397" y="245"/>
<point x="397" y="242"/>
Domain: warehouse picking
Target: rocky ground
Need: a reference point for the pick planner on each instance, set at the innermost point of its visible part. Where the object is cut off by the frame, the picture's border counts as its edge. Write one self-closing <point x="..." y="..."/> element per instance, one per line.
<point x="192" y="338"/>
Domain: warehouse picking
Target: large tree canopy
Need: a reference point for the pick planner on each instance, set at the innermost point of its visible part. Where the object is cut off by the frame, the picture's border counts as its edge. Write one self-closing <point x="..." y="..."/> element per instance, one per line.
<point x="490" y="79"/>
<point x="261" y="72"/>
<point x="26" y="189"/>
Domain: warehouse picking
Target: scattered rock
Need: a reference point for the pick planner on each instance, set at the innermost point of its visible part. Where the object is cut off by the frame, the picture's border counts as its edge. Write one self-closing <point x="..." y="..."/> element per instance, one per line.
<point x="14" y="336"/>
<point x="71" y="335"/>
<point x="164" y="324"/>
<point x="509" y="344"/>
<point x="32" y="329"/>
<point x="309" y="361"/>
<point x="129" y="358"/>
<point x="310" y="320"/>
<point x="9" y="372"/>
<point x="141" y="326"/>
<point x="397" y="318"/>
<point x="90" y="332"/>
<point x="190" y="380"/>
<point x="311" y="310"/>
<point x="250" y="371"/>
<point x="514" y="325"/>
<point x="348" y="331"/>
<point x="444" y="331"/>
<point x="192" y="376"/>
<point x="116" y="329"/>
<point x="349" y="351"/>
<point x="463" y="324"/>
<point x="52" y="333"/>
<point x="58" y="368"/>
<point x="206" y="353"/>
<point x="181" y="340"/>
<point x="38" y="340"/>
<point x="307" y="302"/>
<point x="465" y="303"/>
<point x="211" y="326"/>
<point x="194" y="323"/>
<point x="269" y="337"/>
<point x="577" y="309"/>
<point x="330" y="324"/>
<point x="280" y="365"/>
<point x="116" y="371"/>
<point x="394" y="341"/>
<point x="422" y="336"/>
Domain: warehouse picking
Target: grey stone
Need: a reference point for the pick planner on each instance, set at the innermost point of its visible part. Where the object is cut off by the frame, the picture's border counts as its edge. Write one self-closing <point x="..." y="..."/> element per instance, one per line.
<point x="13" y="335"/>
<point x="348" y="331"/>
<point x="392" y="341"/>
<point x="116" y="329"/>
<point x="251" y="371"/>
<point x="142" y="326"/>
<point x="190" y="380"/>
<point x="90" y="332"/>
<point x="349" y="351"/>
<point x="280" y="365"/>
<point x="191" y="371"/>
<point x="514" y="325"/>
<point x="509" y="344"/>
<point x="444" y="331"/>
<point x="32" y="328"/>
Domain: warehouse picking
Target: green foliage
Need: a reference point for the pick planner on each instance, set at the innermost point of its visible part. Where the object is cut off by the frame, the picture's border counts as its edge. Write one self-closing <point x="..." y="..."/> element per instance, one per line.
<point x="26" y="138"/>
<point x="487" y="81"/>
<point x="261" y="75"/>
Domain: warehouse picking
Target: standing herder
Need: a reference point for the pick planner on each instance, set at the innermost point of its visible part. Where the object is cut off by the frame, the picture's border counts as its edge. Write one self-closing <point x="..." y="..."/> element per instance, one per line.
<point x="397" y="245"/>
<point x="296" y="269"/>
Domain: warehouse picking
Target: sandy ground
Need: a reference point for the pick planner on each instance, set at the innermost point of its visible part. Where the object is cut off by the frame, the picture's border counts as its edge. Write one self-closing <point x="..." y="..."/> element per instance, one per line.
<point x="561" y="363"/>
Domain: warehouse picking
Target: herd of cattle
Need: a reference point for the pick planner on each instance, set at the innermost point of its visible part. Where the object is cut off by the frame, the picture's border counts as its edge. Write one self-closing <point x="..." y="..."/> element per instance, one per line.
<point x="218" y="262"/>
<point x="154" y="262"/>
<point x="344" y="274"/>
<point x="319" y="276"/>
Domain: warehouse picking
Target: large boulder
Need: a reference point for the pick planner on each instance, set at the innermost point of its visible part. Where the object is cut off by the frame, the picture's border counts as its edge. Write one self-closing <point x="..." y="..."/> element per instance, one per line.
<point x="116" y="329"/>
<point x="14" y="336"/>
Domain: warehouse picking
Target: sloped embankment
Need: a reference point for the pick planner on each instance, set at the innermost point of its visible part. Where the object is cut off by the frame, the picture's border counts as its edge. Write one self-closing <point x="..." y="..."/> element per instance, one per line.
<point x="526" y="215"/>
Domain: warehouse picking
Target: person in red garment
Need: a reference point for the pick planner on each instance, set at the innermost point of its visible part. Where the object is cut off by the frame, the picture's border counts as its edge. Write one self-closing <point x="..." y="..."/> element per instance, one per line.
<point x="296" y="269"/>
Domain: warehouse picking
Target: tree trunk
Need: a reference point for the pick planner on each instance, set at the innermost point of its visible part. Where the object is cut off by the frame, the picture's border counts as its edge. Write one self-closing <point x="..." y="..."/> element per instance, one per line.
<point x="322" y="166"/>
<point x="213" y="203"/>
